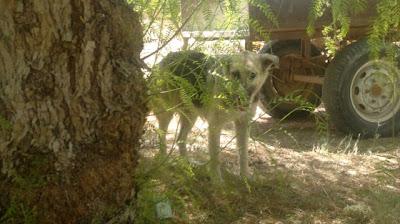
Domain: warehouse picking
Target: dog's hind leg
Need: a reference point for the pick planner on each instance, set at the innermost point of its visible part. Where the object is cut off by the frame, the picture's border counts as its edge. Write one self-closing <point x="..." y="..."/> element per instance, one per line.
<point x="164" y="118"/>
<point x="187" y="121"/>
<point x="242" y="138"/>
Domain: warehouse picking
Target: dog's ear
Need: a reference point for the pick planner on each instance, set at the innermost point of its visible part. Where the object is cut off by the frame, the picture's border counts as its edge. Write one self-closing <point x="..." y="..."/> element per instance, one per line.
<point x="268" y="59"/>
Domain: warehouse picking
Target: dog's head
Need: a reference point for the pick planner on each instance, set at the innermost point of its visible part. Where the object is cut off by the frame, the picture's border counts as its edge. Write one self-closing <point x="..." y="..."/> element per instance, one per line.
<point x="251" y="70"/>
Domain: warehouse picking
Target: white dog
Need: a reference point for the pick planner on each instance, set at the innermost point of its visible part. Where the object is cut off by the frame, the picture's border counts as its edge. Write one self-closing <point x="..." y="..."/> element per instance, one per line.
<point x="221" y="90"/>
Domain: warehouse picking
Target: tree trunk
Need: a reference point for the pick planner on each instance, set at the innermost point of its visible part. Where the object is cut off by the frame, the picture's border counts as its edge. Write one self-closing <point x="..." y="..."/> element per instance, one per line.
<point x="73" y="92"/>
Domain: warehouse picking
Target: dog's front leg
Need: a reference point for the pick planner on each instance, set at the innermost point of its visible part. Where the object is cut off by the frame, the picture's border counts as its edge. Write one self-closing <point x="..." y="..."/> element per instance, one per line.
<point x="242" y="138"/>
<point x="214" y="133"/>
<point x="164" y="118"/>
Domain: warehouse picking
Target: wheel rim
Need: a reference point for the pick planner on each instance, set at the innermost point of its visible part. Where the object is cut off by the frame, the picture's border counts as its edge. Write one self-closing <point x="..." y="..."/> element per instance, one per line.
<point x="375" y="91"/>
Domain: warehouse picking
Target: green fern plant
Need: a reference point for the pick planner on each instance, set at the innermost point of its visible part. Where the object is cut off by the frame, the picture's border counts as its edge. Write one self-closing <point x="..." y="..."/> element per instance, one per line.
<point x="385" y="27"/>
<point x="259" y="29"/>
<point x="163" y="21"/>
<point x="341" y="12"/>
<point x="321" y="120"/>
<point x="166" y="80"/>
<point x="266" y="10"/>
<point x="229" y="95"/>
<point x="268" y="13"/>
<point x="154" y="178"/>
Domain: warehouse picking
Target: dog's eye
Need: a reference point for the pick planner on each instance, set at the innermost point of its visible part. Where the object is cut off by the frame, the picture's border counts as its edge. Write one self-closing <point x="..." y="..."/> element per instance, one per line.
<point x="252" y="76"/>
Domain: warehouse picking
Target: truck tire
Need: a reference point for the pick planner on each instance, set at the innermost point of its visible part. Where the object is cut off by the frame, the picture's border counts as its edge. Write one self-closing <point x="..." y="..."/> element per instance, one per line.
<point x="361" y="94"/>
<point x="278" y="91"/>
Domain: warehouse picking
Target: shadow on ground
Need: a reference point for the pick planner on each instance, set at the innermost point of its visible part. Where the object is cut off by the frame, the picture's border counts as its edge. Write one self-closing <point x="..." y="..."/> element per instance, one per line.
<point x="306" y="134"/>
<point x="299" y="175"/>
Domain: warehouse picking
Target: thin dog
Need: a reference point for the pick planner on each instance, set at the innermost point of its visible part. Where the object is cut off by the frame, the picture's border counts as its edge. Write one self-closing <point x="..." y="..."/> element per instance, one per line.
<point x="219" y="89"/>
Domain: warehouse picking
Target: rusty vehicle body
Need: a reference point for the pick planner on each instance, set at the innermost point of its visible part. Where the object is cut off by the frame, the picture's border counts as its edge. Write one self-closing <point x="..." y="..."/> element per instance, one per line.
<point x="293" y="18"/>
<point x="361" y="94"/>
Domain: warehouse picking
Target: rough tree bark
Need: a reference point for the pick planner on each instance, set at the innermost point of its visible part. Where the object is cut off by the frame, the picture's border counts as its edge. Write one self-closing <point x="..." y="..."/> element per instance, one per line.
<point x="72" y="89"/>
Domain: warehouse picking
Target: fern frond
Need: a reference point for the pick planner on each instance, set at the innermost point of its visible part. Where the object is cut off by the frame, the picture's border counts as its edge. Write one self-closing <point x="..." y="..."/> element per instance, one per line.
<point x="259" y="28"/>
<point x="266" y="10"/>
<point x="341" y="12"/>
<point x="386" y="26"/>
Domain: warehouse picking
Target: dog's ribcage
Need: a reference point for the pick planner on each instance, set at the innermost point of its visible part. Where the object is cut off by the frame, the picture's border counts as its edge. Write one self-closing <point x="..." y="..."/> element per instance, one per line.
<point x="211" y="90"/>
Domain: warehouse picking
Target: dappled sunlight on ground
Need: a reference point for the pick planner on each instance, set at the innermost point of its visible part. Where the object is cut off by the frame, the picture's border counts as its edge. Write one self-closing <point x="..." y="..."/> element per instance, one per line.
<point x="333" y="171"/>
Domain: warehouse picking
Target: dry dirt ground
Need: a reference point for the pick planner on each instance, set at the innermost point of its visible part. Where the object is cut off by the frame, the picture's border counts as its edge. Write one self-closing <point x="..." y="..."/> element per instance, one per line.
<point x="300" y="175"/>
